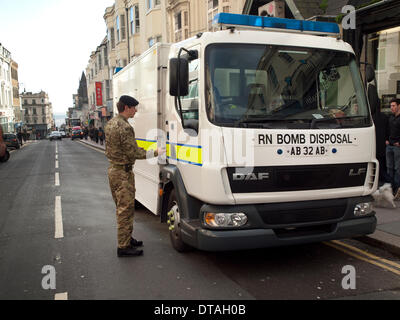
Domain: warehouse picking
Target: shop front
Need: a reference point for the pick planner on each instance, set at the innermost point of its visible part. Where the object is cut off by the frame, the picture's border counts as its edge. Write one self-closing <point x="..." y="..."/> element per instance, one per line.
<point x="376" y="41"/>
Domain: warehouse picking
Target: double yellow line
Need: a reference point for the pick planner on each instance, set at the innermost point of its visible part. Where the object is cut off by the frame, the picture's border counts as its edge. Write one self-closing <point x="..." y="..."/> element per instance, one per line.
<point x="365" y="256"/>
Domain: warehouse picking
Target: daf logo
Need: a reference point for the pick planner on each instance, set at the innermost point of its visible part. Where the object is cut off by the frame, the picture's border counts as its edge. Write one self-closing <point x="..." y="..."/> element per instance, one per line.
<point x="354" y="173"/>
<point x="250" y="176"/>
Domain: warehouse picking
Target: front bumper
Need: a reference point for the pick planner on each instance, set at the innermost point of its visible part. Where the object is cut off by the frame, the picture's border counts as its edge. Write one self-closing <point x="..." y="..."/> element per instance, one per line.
<point x="281" y="224"/>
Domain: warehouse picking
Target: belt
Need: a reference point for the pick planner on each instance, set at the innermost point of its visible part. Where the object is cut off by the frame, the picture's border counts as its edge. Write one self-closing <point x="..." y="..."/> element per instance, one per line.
<point x="126" y="167"/>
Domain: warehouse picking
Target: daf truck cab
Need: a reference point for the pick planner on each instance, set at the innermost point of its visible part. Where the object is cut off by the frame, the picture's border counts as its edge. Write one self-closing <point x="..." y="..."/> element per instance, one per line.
<point x="268" y="135"/>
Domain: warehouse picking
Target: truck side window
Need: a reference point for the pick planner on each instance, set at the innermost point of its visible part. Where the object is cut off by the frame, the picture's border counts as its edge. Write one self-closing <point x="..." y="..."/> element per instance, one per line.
<point x="190" y="103"/>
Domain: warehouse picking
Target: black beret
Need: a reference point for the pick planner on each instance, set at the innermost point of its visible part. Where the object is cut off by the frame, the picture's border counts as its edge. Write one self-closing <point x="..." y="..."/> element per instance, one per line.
<point x="129" y="101"/>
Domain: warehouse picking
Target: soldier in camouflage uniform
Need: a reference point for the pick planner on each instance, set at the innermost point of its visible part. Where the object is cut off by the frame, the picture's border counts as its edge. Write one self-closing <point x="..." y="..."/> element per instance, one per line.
<point x="122" y="151"/>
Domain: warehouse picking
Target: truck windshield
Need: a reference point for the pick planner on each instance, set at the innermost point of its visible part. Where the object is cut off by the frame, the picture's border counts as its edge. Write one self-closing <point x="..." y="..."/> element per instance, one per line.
<point x="283" y="87"/>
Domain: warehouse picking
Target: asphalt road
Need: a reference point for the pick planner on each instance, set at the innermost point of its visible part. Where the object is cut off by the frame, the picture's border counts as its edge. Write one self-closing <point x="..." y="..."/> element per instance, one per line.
<point x="84" y="256"/>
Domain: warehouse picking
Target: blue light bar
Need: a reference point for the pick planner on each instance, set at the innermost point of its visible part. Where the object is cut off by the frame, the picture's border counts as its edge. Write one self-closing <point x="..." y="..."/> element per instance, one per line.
<point x="318" y="27"/>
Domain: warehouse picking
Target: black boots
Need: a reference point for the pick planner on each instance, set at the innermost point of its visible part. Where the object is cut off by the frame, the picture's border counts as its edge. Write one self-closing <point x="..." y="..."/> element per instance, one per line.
<point x="129" y="252"/>
<point x="136" y="243"/>
<point x="132" y="250"/>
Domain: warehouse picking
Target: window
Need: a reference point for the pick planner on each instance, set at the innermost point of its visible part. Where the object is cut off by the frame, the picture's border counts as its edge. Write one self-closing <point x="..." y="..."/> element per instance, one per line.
<point x="137" y="21"/>
<point x="226" y="9"/>
<point x="33" y="101"/>
<point x="108" y="90"/>
<point x="112" y="37"/>
<point x="99" y="61"/>
<point x="44" y="119"/>
<point x="178" y="21"/>
<point x="243" y="89"/>
<point x="190" y="103"/>
<point x="149" y="4"/>
<point x="132" y="19"/>
<point x="212" y="4"/>
<point x="212" y="11"/>
<point x="118" y="28"/>
<point x="105" y="54"/>
<point x="382" y="52"/>
<point x="123" y="27"/>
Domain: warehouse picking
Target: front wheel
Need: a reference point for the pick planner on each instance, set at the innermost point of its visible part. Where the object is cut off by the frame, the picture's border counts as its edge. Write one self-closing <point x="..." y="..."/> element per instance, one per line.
<point x="175" y="234"/>
<point x="5" y="157"/>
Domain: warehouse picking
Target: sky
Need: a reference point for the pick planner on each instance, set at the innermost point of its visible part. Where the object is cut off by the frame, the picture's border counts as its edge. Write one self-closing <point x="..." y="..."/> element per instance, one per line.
<point x="51" y="40"/>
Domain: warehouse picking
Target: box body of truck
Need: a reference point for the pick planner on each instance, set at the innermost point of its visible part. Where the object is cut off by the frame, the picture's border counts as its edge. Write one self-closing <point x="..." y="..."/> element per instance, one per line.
<point x="272" y="142"/>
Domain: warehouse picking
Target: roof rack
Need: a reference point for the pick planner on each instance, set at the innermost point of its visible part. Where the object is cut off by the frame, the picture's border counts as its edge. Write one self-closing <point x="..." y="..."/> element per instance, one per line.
<point x="229" y="20"/>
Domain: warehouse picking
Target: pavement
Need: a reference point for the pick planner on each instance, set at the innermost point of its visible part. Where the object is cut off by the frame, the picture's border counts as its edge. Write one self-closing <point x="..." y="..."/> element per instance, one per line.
<point x="386" y="235"/>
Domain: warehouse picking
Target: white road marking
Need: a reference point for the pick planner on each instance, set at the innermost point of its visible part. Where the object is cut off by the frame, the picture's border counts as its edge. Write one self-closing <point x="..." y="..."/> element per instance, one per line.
<point x="57" y="178"/>
<point x="59" y="232"/>
<point x="61" y="296"/>
<point x="56" y="164"/>
<point x="56" y="156"/>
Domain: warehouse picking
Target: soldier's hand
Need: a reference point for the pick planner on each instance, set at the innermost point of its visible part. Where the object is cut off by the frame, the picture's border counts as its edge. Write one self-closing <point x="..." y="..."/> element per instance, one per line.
<point x="160" y="151"/>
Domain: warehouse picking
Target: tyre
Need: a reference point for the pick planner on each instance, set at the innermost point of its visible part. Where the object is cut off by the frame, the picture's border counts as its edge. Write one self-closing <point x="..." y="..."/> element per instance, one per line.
<point x="5" y="157"/>
<point x="174" y="224"/>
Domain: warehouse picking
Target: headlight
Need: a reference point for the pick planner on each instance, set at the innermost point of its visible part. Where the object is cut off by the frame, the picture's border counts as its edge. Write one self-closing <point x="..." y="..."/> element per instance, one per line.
<point x="362" y="209"/>
<point x="225" y="220"/>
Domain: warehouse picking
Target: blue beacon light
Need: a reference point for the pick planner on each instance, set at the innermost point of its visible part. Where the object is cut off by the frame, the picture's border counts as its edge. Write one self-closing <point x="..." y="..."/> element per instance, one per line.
<point x="318" y="27"/>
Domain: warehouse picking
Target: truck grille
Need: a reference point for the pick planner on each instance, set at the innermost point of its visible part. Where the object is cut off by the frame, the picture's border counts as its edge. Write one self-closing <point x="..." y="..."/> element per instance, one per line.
<point x="296" y="178"/>
<point x="282" y="217"/>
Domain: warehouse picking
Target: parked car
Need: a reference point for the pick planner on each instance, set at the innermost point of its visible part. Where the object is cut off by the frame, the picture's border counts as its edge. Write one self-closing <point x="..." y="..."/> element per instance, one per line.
<point x="4" y="154"/>
<point x="76" y="134"/>
<point x="63" y="134"/>
<point x="11" y="140"/>
<point x="55" y="135"/>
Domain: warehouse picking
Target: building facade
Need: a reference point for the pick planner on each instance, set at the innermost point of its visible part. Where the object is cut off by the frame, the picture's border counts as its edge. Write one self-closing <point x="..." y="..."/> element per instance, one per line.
<point x="133" y="26"/>
<point x="16" y="102"/>
<point x="38" y="114"/>
<point x="6" y="91"/>
<point x="99" y="92"/>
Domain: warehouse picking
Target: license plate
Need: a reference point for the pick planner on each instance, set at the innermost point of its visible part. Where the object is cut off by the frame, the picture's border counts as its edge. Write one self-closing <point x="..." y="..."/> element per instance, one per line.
<point x="307" y="151"/>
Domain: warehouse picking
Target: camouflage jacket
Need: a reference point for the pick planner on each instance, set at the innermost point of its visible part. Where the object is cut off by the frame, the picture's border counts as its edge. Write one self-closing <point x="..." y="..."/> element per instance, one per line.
<point x="121" y="145"/>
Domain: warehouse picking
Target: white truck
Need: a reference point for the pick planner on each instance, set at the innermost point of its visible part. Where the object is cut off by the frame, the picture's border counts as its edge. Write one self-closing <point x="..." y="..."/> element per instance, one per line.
<point x="268" y="135"/>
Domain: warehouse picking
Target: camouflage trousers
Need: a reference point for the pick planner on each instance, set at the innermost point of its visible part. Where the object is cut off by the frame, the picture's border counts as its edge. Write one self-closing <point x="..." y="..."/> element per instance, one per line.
<point x="122" y="185"/>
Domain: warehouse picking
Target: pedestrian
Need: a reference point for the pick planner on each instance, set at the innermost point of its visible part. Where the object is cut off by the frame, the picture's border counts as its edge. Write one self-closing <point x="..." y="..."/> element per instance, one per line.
<point x="122" y="151"/>
<point x="393" y="147"/>
<point x="19" y="135"/>
<point x="96" y="135"/>
<point x="101" y="135"/>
